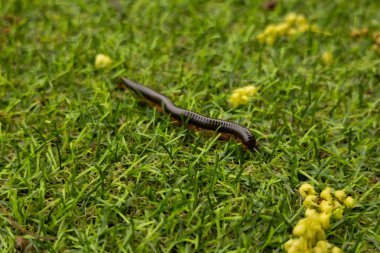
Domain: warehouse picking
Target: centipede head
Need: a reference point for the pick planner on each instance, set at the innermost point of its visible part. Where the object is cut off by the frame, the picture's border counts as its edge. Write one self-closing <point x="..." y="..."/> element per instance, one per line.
<point x="251" y="143"/>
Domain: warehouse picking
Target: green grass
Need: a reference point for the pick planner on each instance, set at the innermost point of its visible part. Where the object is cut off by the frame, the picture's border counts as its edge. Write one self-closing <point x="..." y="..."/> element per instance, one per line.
<point x="97" y="170"/>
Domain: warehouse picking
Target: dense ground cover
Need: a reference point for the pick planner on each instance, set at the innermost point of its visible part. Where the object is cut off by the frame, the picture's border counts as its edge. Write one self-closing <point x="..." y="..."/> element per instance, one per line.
<point x="87" y="167"/>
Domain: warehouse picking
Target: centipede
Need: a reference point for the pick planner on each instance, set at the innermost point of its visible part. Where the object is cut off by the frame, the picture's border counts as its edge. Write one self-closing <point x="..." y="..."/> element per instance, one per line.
<point x="190" y="117"/>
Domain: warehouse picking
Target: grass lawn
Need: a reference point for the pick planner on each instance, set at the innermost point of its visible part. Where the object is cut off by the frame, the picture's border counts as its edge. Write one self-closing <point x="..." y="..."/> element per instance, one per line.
<point x="86" y="167"/>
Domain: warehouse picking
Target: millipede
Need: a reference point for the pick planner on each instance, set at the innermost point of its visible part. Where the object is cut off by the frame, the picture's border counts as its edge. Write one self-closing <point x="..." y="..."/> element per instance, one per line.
<point x="182" y="115"/>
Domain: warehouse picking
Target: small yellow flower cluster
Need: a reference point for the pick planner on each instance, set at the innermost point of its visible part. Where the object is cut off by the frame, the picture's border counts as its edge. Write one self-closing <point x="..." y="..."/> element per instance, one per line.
<point x="376" y="46"/>
<point x="319" y="210"/>
<point x="293" y="24"/>
<point x="241" y="96"/>
<point x="327" y="58"/>
<point x="102" y="61"/>
<point x="357" y="33"/>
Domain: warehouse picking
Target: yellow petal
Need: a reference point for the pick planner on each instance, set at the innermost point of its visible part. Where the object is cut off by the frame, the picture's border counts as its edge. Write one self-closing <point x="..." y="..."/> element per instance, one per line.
<point x="322" y="245"/>
<point x="282" y="28"/>
<point x="102" y="61"/>
<point x="301" y="20"/>
<point x="299" y="246"/>
<point x="326" y="194"/>
<point x="306" y="189"/>
<point x="325" y="206"/>
<point x="291" y="18"/>
<point x="235" y="99"/>
<point x="300" y="228"/>
<point x="251" y="90"/>
<point x="327" y="58"/>
<point x="270" y="30"/>
<point x="349" y="202"/>
<point x="336" y="250"/>
<point x="289" y="244"/>
<point x="338" y="213"/>
<point x="324" y="219"/>
<point x="261" y="37"/>
<point x="270" y="40"/>
<point x="310" y="201"/>
<point x="311" y="213"/>
<point x="340" y="195"/>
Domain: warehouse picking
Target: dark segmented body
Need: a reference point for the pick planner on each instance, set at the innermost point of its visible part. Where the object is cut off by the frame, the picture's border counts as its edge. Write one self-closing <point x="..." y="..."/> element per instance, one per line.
<point x="191" y="117"/>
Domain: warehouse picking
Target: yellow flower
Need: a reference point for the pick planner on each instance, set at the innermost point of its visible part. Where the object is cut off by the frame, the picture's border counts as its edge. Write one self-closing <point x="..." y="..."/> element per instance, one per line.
<point x="292" y="25"/>
<point x="310" y="201"/>
<point x="270" y="40"/>
<point x="326" y="194"/>
<point x="235" y="100"/>
<point x="289" y="244"/>
<point x="102" y="61"/>
<point x="282" y="28"/>
<point x="320" y="235"/>
<point x="241" y="96"/>
<point x="336" y="204"/>
<point x="313" y="231"/>
<point x="376" y="37"/>
<point x="325" y="206"/>
<point x="300" y="19"/>
<point x="303" y="27"/>
<point x="321" y="247"/>
<point x="338" y="213"/>
<point x="248" y="90"/>
<point x="336" y="250"/>
<point x="315" y="29"/>
<point x="376" y="48"/>
<point x="306" y="190"/>
<point x="270" y="30"/>
<point x="300" y="228"/>
<point x="355" y="33"/>
<point x="292" y="31"/>
<point x="291" y="18"/>
<point x="310" y="212"/>
<point x="349" y="202"/>
<point x="319" y="211"/>
<point x="327" y="58"/>
<point x="261" y="37"/>
<point x="299" y="246"/>
<point x="324" y="219"/>
<point x="340" y="195"/>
